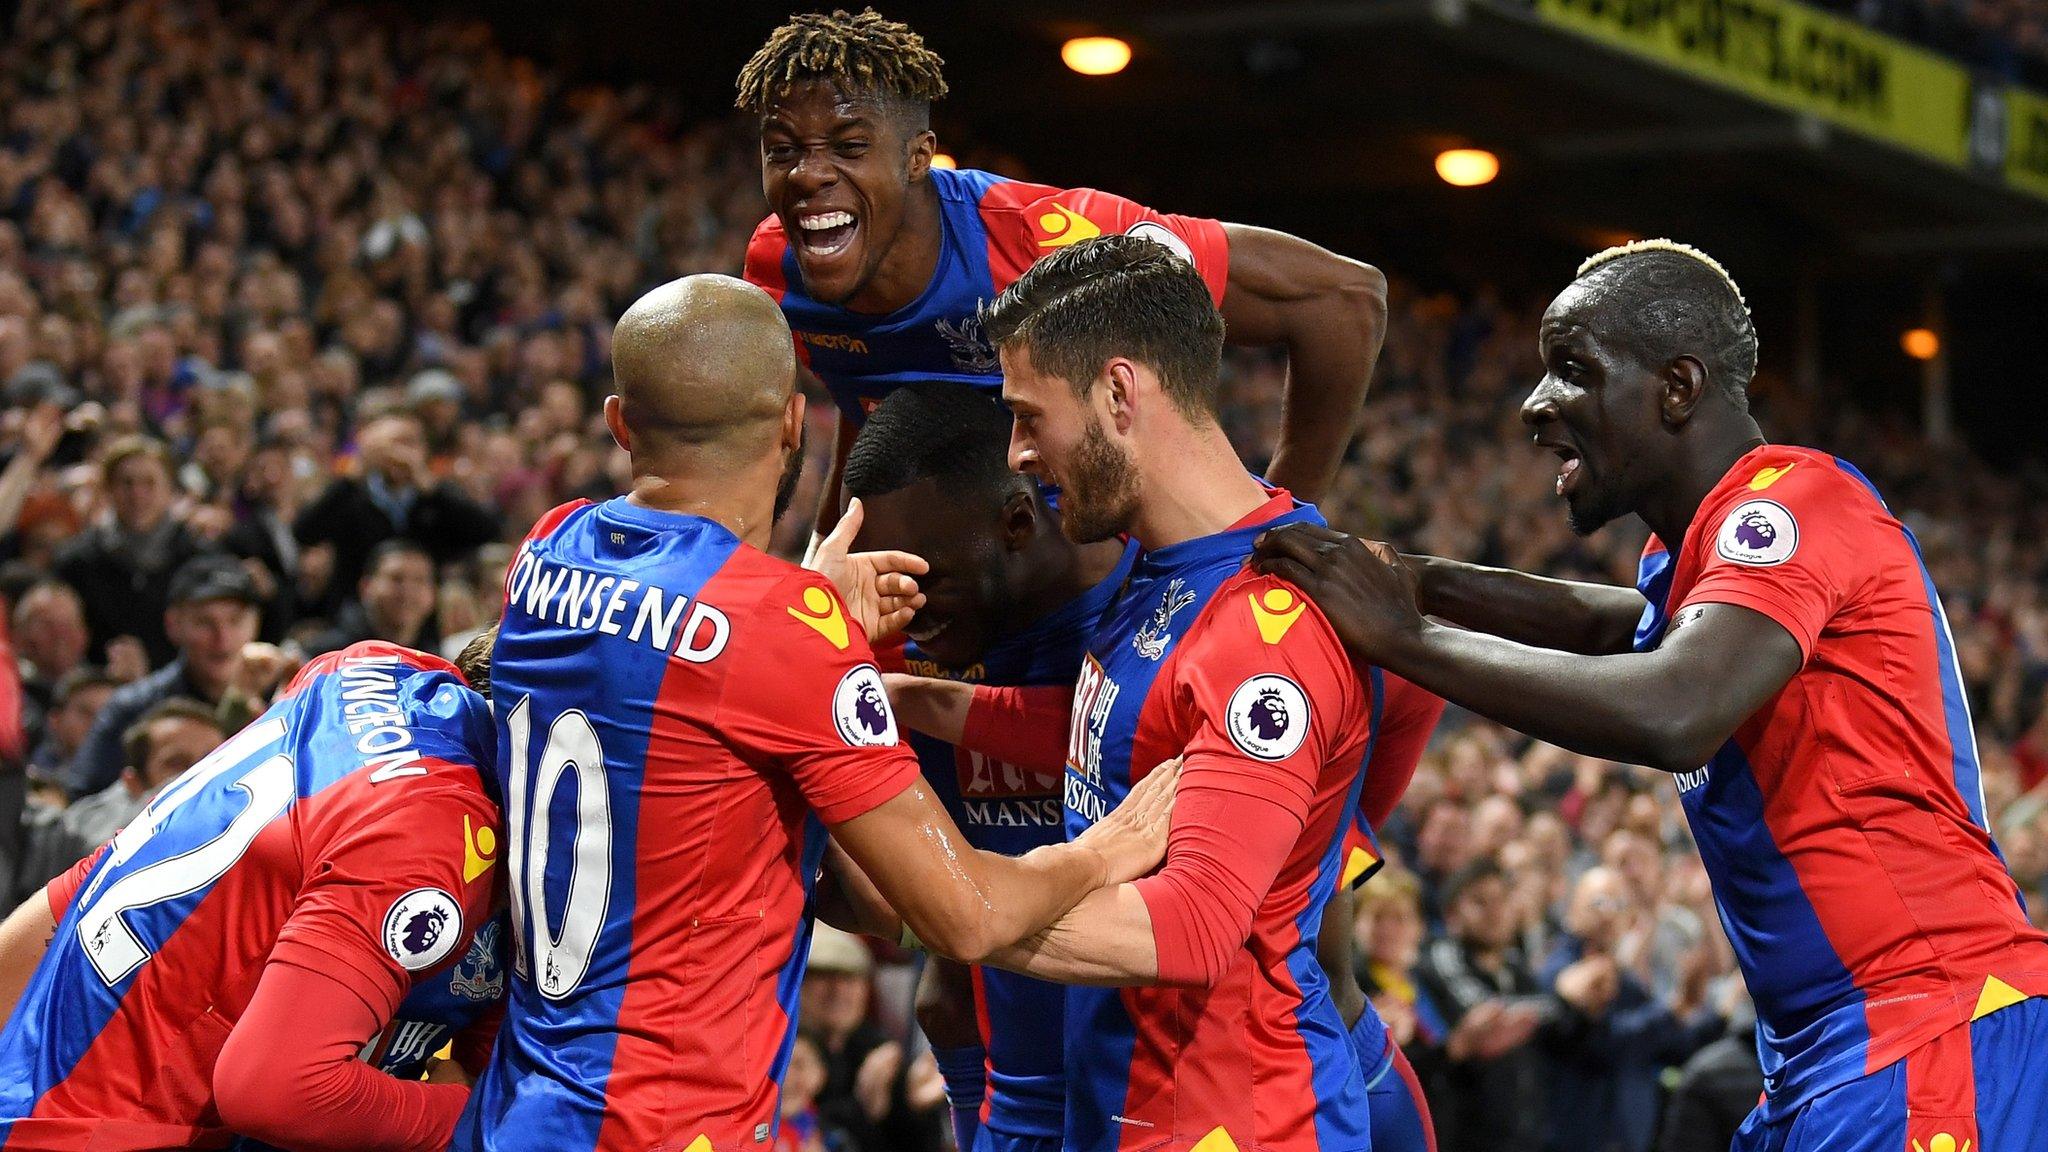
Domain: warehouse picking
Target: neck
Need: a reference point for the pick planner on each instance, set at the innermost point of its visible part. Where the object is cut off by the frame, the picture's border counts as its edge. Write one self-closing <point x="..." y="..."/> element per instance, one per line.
<point x="912" y="259"/>
<point x="1197" y="488"/>
<point x="1697" y="469"/>
<point x="1076" y="568"/>
<point x="743" y="503"/>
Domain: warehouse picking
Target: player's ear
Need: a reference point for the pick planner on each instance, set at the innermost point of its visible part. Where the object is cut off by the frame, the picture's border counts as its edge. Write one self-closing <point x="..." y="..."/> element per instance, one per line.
<point x="923" y="146"/>
<point x="1685" y="383"/>
<point x="793" y="422"/>
<point x="615" y="419"/>
<point x="1119" y="391"/>
<point x="1019" y="519"/>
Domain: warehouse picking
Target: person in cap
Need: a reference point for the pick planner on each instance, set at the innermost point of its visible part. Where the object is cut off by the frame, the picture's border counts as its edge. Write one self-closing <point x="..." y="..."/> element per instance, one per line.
<point x="214" y="611"/>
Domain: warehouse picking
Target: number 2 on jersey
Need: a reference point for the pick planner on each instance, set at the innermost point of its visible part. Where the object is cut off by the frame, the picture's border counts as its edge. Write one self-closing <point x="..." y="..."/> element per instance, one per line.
<point x="109" y="940"/>
<point x="557" y="960"/>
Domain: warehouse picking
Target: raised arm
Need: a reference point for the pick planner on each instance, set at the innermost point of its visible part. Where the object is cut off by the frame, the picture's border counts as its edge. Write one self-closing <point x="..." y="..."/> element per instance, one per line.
<point x="1670" y="708"/>
<point x="1569" y="615"/>
<point x="1330" y="313"/>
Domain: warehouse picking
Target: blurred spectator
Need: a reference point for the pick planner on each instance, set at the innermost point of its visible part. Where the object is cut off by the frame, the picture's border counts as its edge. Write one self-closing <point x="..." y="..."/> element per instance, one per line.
<point x="866" y="1090"/>
<point x="803" y="1128"/>
<point x="394" y="601"/>
<point x="1716" y="1091"/>
<point x="50" y="639"/>
<point x="262" y="536"/>
<point x="1490" y="1095"/>
<point x="122" y="563"/>
<point x="1604" y="1089"/>
<point x="212" y="614"/>
<point x="171" y="736"/>
<point x="394" y="496"/>
<point x="78" y="699"/>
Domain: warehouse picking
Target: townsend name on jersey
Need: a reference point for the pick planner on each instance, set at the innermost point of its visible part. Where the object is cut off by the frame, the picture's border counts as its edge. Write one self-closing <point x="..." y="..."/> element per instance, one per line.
<point x="644" y="613"/>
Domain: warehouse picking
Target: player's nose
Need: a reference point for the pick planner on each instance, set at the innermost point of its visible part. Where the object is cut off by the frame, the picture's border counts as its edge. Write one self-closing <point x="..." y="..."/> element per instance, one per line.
<point x="1541" y="406"/>
<point x="1023" y="454"/>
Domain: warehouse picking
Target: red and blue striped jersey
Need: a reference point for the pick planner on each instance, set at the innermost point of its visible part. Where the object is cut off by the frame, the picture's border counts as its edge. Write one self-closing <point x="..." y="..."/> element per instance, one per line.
<point x="994" y="228"/>
<point x="347" y="827"/>
<point x="1239" y="672"/>
<point x="1843" y="824"/>
<point x="680" y="716"/>
<point x="1013" y="808"/>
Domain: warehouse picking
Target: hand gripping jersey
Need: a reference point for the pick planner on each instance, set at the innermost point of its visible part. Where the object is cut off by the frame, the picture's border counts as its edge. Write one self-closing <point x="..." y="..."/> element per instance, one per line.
<point x="345" y="828"/>
<point x="994" y="228"/>
<point x="1012" y="808"/>
<point x="1843" y="824"/>
<point x="1199" y="655"/>
<point x="679" y="718"/>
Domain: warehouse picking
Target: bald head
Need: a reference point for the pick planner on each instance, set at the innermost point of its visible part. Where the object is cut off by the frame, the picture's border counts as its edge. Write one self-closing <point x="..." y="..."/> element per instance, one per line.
<point x="703" y="362"/>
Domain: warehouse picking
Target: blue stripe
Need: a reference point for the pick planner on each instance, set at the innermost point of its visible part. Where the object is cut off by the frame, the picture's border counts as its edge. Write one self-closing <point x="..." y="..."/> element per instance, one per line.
<point x="1955" y="701"/>
<point x="549" y="1072"/>
<point x="1343" y="1117"/>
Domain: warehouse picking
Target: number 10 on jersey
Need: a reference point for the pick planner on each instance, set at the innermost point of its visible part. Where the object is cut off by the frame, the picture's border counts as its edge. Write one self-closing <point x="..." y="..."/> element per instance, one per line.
<point x="556" y="960"/>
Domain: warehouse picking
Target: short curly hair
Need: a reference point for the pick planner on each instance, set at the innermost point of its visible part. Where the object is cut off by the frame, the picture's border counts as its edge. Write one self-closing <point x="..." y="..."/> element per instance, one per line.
<point x="866" y="54"/>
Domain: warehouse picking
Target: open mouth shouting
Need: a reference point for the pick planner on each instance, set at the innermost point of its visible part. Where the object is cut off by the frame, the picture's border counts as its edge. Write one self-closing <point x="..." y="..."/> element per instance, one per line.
<point x="824" y="235"/>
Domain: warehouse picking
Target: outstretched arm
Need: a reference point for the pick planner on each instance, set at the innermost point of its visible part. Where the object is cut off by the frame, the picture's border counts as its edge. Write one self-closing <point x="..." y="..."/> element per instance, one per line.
<point x="1670" y="708"/>
<point x="1330" y="313"/>
<point x="1569" y="615"/>
<point x="966" y="904"/>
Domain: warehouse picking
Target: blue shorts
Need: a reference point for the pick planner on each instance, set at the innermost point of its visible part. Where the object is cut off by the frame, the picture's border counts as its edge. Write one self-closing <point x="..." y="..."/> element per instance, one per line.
<point x="987" y="1141"/>
<point x="1400" y="1114"/>
<point x="1983" y="1086"/>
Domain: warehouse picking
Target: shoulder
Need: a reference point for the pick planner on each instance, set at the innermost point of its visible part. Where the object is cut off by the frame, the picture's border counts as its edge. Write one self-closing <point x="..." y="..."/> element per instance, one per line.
<point x="765" y="250"/>
<point x="1258" y="615"/>
<point x="1793" y="501"/>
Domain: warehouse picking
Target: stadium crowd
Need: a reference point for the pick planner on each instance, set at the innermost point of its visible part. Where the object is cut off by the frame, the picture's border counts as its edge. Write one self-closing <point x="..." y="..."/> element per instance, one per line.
<point x="303" y="322"/>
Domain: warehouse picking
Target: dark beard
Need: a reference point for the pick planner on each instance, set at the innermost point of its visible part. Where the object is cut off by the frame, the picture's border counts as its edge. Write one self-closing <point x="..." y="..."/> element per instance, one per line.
<point x="792" y="471"/>
<point x="1098" y="491"/>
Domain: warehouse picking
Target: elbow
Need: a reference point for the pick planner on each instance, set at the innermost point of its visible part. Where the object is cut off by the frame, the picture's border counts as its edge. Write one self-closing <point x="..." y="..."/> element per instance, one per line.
<point x="1681" y="742"/>
<point x="242" y="1091"/>
<point x="959" y="935"/>
<point x="1363" y="290"/>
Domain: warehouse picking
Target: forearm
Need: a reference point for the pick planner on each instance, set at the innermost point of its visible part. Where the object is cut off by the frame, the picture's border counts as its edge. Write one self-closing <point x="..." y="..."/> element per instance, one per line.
<point x="849" y="901"/>
<point x="1568" y="615"/>
<point x="16" y="481"/>
<point x="828" y="494"/>
<point x="1616" y="707"/>
<point x="23" y="939"/>
<point x="1025" y="894"/>
<point x="1330" y="358"/>
<point x="1105" y="940"/>
<point x="934" y="707"/>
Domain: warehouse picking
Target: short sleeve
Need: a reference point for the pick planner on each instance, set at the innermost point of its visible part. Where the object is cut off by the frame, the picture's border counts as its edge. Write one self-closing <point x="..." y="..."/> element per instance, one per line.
<point x="397" y="879"/>
<point x="1270" y="692"/>
<point x="805" y="696"/>
<point x="1027" y="222"/>
<point x="1785" y="544"/>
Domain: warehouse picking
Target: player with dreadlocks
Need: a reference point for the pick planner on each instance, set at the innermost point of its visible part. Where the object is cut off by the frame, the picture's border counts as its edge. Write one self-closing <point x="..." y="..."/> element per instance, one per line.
<point x="1785" y="656"/>
<point x="879" y="259"/>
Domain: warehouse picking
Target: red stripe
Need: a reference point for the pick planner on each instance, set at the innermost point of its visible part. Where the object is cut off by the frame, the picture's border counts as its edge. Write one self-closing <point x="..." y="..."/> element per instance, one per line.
<point x="1941" y="1094"/>
<point x="981" y="1026"/>
<point x="1407" y="1073"/>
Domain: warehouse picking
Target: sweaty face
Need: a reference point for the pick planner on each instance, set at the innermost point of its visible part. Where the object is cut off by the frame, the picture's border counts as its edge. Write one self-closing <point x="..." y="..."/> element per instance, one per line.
<point x="837" y="170"/>
<point x="966" y="603"/>
<point x="1059" y="438"/>
<point x="1596" y="408"/>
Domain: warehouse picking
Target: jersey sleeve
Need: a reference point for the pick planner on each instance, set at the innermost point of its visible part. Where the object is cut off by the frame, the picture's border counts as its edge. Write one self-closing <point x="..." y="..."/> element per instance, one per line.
<point x="62" y="890"/>
<point x="397" y="879"/>
<point x="806" y="697"/>
<point x="764" y="269"/>
<point x="1786" y="545"/>
<point x="1029" y="221"/>
<point x="1269" y="694"/>
<point x="1408" y="716"/>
